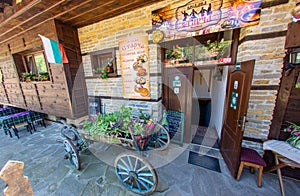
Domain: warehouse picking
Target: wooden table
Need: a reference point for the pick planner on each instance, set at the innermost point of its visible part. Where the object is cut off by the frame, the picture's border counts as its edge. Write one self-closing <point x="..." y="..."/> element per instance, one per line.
<point x="285" y="155"/>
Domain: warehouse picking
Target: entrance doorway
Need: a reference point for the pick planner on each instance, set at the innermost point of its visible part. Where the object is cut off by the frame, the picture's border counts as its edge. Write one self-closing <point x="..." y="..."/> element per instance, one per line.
<point x="208" y="101"/>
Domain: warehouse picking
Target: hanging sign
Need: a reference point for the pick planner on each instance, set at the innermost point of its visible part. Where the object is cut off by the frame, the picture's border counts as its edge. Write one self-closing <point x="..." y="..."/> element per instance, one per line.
<point x="134" y="59"/>
<point x="199" y="17"/>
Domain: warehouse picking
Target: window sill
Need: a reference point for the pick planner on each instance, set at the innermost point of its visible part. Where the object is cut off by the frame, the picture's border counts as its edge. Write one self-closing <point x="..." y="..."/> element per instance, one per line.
<point x="37" y="82"/>
<point x="95" y="77"/>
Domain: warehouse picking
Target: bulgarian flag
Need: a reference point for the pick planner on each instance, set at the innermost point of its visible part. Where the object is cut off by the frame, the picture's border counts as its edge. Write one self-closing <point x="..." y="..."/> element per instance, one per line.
<point x="54" y="51"/>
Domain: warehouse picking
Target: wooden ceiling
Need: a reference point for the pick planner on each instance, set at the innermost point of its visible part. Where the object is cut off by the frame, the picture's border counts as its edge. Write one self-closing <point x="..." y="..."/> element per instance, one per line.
<point x="28" y="14"/>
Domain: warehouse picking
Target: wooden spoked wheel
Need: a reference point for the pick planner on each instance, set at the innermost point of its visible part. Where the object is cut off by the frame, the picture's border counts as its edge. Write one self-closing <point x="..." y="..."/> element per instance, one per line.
<point x="72" y="154"/>
<point x="161" y="139"/>
<point x="136" y="173"/>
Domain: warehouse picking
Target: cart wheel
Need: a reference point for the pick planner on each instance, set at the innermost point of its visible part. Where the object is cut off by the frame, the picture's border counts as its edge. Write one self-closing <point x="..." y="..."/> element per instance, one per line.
<point x="136" y="173"/>
<point x="162" y="139"/>
<point x="71" y="154"/>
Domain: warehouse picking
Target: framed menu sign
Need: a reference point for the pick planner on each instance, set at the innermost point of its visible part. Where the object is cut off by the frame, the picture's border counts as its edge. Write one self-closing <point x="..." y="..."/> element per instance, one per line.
<point x="134" y="59"/>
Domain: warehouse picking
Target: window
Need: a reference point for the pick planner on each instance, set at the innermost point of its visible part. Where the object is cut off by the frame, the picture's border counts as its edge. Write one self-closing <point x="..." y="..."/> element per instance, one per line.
<point x="36" y="63"/>
<point x="204" y="50"/>
<point x="104" y="63"/>
<point x="32" y="66"/>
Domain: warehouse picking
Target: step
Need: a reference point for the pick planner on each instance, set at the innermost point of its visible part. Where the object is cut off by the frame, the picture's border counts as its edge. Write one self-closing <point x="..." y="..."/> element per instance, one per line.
<point x="206" y="141"/>
<point x="205" y="150"/>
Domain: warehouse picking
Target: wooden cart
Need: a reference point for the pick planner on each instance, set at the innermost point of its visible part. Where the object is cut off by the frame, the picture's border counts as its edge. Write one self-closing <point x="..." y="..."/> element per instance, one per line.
<point x="133" y="170"/>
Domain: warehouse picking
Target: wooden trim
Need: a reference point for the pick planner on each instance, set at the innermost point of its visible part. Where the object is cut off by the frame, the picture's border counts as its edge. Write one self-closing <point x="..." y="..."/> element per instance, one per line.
<point x="89" y="53"/>
<point x="273" y="3"/>
<point x="265" y="87"/>
<point x="282" y="99"/>
<point x="234" y="45"/>
<point x="155" y="74"/>
<point x="118" y="76"/>
<point x="95" y="77"/>
<point x="263" y="36"/>
<point x="122" y="98"/>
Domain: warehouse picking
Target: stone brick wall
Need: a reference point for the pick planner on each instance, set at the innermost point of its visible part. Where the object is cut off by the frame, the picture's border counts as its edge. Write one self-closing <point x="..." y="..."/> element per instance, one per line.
<point x="107" y="34"/>
<point x="268" y="54"/>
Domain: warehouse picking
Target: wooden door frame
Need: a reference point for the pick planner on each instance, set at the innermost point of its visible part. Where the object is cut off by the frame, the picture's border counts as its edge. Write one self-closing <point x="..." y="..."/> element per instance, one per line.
<point x="188" y="105"/>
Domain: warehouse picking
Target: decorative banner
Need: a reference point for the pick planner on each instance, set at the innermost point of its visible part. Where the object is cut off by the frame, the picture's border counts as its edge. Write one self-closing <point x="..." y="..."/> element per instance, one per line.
<point x="134" y="58"/>
<point x="202" y="17"/>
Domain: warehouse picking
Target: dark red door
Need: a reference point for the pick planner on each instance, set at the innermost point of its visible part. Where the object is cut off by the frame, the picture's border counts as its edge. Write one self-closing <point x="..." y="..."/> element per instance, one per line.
<point x="238" y="89"/>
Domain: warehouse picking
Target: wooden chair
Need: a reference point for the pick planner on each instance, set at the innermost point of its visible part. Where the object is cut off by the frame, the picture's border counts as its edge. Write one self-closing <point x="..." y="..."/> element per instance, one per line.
<point x="251" y="159"/>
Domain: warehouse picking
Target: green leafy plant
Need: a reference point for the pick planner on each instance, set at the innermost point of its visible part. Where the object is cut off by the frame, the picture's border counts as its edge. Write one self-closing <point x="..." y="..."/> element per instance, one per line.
<point x="294" y="131"/>
<point x="104" y="72"/>
<point x="110" y="124"/>
<point x="218" y="48"/>
<point x="28" y="76"/>
<point x="43" y="76"/>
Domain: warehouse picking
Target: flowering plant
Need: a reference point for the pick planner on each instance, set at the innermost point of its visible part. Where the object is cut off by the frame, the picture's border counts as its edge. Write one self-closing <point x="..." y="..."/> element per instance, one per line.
<point x="294" y="131"/>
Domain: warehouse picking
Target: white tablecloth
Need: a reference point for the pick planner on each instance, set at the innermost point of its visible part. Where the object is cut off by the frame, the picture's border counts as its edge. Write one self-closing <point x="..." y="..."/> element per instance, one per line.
<point x="284" y="149"/>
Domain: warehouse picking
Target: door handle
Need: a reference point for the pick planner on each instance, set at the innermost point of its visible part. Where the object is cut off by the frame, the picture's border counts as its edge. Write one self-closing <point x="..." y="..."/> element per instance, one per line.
<point x="241" y="122"/>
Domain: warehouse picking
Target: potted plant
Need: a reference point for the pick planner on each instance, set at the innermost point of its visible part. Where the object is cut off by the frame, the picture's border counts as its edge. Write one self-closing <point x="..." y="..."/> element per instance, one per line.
<point x="44" y="76"/>
<point x="294" y="139"/>
<point x="109" y="66"/>
<point x="28" y="76"/>
<point x="104" y="73"/>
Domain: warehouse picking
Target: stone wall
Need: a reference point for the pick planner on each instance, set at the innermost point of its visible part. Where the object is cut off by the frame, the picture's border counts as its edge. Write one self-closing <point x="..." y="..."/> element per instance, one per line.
<point x="268" y="54"/>
<point x="107" y="34"/>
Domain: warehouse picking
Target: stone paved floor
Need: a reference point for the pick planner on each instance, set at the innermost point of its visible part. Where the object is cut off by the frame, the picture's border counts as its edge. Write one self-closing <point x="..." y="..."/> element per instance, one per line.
<point x="50" y="174"/>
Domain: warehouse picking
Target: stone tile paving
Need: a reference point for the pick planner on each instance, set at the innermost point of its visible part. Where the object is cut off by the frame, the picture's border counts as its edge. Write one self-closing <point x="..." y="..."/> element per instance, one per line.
<point x="50" y="174"/>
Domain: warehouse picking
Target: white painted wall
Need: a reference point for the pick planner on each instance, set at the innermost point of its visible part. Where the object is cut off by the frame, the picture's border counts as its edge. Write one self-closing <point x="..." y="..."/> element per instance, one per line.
<point x="218" y="101"/>
<point x="216" y="93"/>
<point x="201" y="84"/>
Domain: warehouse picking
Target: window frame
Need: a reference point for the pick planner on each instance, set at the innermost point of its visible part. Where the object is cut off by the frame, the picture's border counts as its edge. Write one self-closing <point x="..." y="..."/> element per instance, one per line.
<point x="103" y="54"/>
<point x="22" y="64"/>
<point x="194" y="41"/>
<point x="25" y="63"/>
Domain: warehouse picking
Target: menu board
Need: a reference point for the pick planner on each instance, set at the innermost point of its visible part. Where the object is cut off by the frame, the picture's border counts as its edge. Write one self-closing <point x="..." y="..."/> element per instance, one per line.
<point x="176" y="125"/>
<point x="134" y="59"/>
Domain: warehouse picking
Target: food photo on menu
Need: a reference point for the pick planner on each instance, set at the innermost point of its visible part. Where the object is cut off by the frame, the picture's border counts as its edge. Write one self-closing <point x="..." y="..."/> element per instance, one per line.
<point x="141" y="72"/>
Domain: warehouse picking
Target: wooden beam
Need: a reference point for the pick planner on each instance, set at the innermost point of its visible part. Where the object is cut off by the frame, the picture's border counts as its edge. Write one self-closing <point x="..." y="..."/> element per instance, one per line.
<point x="38" y="24"/>
<point x="90" y="10"/>
<point x="286" y="86"/>
<point x="113" y="12"/>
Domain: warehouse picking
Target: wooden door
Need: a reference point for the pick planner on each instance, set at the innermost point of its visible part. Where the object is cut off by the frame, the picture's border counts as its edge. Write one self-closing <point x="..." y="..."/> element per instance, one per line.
<point x="177" y="94"/>
<point x="238" y="89"/>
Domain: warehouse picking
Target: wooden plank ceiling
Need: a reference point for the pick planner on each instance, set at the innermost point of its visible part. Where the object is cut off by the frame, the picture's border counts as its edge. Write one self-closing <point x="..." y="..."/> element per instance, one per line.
<point x="28" y="14"/>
